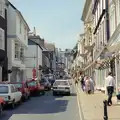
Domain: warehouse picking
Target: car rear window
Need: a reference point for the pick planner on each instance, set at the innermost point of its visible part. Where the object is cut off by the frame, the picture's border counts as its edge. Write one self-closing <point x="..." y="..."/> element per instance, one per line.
<point x="61" y="83"/>
<point x="18" y="85"/>
<point x="33" y="83"/>
<point x="3" y="89"/>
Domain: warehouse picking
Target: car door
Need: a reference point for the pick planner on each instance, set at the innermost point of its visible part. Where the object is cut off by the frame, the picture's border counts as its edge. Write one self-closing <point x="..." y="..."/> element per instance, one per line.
<point x="12" y="93"/>
<point x="17" y="94"/>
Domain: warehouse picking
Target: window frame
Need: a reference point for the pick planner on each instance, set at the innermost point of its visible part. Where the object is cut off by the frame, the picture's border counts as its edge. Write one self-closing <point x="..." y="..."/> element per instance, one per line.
<point x="2" y="38"/>
<point x="2" y="10"/>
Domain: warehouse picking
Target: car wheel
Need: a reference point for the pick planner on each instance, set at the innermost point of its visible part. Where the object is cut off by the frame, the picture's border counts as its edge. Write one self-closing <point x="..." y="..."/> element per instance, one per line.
<point x="20" y="102"/>
<point x="54" y="93"/>
<point x="43" y="93"/>
<point x="69" y="93"/>
<point x="1" y="109"/>
<point x="13" y="104"/>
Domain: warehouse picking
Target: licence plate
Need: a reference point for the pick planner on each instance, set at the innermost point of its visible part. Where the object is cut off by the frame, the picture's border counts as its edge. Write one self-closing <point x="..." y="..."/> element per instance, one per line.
<point x="60" y="88"/>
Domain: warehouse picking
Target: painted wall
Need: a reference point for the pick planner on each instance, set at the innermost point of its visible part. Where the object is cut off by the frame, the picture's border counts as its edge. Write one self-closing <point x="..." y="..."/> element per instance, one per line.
<point x="33" y="58"/>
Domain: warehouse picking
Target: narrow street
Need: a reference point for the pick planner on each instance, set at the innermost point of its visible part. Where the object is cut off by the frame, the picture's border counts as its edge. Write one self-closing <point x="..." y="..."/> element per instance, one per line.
<point x="46" y="107"/>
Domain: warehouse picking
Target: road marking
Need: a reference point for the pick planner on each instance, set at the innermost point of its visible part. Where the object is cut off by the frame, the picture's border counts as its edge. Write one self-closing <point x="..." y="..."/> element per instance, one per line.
<point x="79" y="108"/>
<point x="80" y="114"/>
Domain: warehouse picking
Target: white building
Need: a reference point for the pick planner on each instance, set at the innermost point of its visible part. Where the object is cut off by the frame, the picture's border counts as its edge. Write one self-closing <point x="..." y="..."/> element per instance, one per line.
<point x="17" y="43"/>
<point x="114" y="41"/>
<point x="33" y="57"/>
<point x="2" y="36"/>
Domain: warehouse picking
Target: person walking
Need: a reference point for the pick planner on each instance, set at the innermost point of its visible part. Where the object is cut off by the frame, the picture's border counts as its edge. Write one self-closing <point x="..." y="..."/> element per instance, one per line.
<point x="92" y="85"/>
<point x="87" y="85"/>
<point x="110" y="84"/>
<point x="82" y="83"/>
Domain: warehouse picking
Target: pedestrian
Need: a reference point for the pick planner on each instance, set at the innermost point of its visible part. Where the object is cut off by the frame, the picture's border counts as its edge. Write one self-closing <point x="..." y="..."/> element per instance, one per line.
<point x="92" y="85"/>
<point x="110" y="84"/>
<point x="76" y="81"/>
<point x="87" y="85"/>
<point x="82" y="83"/>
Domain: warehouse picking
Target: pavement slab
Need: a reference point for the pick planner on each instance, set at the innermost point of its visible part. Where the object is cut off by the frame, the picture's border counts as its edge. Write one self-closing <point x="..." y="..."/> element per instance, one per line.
<point x="92" y="106"/>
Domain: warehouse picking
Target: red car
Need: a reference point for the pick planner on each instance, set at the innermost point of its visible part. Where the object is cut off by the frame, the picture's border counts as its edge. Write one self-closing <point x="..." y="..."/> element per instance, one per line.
<point x="35" y="87"/>
<point x="23" y="88"/>
<point x="2" y="103"/>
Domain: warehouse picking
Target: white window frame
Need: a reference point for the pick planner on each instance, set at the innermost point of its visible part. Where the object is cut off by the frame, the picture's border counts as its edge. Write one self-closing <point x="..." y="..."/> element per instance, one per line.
<point x="2" y="9"/>
<point x="2" y="39"/>
<point x="17" y="51"/>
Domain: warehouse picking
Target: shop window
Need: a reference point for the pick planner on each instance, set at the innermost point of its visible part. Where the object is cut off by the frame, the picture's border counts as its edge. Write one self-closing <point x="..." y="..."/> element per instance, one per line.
<point x="112" y="66"/>
<point x="2" y="39"/>
<point x="16" y="51"/>
<point x="21" y="53"/>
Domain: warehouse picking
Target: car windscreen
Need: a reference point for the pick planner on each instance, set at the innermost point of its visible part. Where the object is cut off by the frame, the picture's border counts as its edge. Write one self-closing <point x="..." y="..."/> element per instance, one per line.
<point x="30" y="84"/>
<point x="18" y="85"/>
<point x="61" y="83"/>
<point x="3" y="89"/>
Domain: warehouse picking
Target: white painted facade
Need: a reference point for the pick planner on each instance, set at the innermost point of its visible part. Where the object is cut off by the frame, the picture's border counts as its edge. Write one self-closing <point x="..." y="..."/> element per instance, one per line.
<point x="17" y="44"/>
<point x="33" y="59"/>
<point x="2" y="33"/>
<point x="114" y="42"/>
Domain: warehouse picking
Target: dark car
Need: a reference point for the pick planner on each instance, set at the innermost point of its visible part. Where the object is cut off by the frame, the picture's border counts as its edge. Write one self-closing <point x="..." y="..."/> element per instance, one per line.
<point x="51" y="78"/>
<point x="23" y="88"/>
<point x="44" y="81"/>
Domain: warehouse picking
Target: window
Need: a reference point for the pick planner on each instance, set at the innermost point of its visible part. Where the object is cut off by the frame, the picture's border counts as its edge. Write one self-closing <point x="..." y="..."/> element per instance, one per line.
<point x="16" y="50"/>
<point x="2" y="10"/>
<point x="112" y="19"/>
<point x="119" y="10"/>
<point x="20" y="26"/>
<point x="3" y="89"/>
<point x="12" y="89"/>
<point x="25" y="34"/>
<point x="2" y="39"/>
<point x="21" y="53"/>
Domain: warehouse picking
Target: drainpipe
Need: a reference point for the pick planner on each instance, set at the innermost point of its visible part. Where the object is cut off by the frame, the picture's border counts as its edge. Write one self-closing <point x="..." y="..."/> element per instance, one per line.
<point x="116" y="71"/>
<point x="107" y="20"/>
<point x="5" y="67"/>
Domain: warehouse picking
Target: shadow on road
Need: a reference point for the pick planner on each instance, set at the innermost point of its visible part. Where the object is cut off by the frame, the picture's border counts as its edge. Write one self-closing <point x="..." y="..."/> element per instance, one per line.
<point x="47" y="104"/>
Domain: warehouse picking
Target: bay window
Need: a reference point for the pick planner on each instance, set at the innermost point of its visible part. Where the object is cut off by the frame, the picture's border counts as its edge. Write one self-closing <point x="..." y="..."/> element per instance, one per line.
<point x="2" y="39"/>
<point x="2" y="9"/>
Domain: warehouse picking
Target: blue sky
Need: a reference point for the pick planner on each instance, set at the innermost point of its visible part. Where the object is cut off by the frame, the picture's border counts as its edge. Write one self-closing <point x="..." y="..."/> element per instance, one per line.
<point x="57" y="21"/>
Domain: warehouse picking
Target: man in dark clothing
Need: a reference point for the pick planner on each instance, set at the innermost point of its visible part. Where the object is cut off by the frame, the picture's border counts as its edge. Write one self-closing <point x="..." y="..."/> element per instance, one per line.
<point x="110" y="83"/>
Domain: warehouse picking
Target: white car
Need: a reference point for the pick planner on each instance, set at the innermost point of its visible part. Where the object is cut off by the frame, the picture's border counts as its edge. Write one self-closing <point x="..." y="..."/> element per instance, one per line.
<point x="10" y="94"/>
<point x="61" y="86"/>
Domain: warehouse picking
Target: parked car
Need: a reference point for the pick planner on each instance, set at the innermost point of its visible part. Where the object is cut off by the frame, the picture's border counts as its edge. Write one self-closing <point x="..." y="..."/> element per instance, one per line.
<point x="47" y="85"/>
<point x="23" y="88"/>
<point x="35" y="87"/>
<point x="51" y="78"/>
<point x="61" y="87"/>
<point x="2" y="103"/>
<point x="10" y="94"/>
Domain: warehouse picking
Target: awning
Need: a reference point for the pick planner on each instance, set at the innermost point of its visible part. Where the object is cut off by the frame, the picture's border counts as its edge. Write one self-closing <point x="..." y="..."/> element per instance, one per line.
<point x="114" y="44"/>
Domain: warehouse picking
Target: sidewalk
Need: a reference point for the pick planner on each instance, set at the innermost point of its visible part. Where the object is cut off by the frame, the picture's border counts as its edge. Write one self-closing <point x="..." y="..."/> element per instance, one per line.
<point x="93" y="108"/>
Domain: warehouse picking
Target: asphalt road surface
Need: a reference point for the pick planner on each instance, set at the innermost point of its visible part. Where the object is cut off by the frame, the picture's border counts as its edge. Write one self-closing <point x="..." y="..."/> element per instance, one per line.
<point x="47" y="107"/>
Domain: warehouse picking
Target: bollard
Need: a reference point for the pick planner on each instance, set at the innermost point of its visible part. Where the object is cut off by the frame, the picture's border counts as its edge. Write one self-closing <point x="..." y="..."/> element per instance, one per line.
<point x="105" y="110"/>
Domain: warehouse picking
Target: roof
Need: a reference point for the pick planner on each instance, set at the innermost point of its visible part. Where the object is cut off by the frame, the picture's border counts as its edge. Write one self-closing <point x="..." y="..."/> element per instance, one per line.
<point x="50" y="46"/>
<point x="9" y="3"/>
<point x="85" y="10"/>
<point x="35" y="43"/>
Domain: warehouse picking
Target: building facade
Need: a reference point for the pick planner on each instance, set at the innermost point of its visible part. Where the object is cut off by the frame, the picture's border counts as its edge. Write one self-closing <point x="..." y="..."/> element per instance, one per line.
<point x="33" y="58"/>
<point x="17" y="43"/>
<point x="101" y="44"/>
<point x="3" y="41"/>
